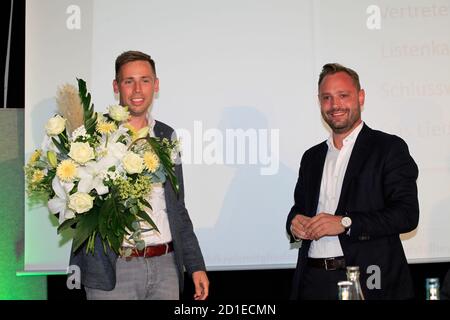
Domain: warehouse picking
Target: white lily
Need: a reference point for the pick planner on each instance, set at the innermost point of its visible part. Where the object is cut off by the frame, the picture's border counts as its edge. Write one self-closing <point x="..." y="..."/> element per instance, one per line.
<point x="48" y="145"/>
<point x="92" y="174"/>
<point x="121" y="131"/>
<point x="59" y="203"/>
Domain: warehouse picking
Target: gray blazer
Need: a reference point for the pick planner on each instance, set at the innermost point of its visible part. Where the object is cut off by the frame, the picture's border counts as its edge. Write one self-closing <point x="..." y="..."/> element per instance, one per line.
<point x="98" y="270"/>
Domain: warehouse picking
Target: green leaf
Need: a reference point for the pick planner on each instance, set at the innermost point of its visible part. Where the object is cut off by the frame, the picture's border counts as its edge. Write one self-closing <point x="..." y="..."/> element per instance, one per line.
<point x="136" y="235"/>
<point x="40" y="164"/>
<point x="115" y="242"/>
<point x="60" y="146"/>
<point x="165" y="159"/>
<point x="127" y="252"/>
<point x="134" y="210"/>
<point x="87" y="224"/>
<point x="67" y="224"/>
<point x="140" y="245"/>
<point x="112" y="223"/>
<point x="136" y="225"/>
<point x="105" y="216"/>
<point x="146" y="203"/>
<point x="90" y="117"/>
<point x="63" y="138"/>
<point x="143" y="215"/>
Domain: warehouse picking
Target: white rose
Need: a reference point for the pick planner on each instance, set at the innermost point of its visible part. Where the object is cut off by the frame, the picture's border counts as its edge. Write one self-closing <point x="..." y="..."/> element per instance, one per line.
<point x="133" y="163"/>
<point x="81" y="202"/>
<point x="118" y="113"/>
<point x="81" y="152"/>
<point x="55" y="125"/>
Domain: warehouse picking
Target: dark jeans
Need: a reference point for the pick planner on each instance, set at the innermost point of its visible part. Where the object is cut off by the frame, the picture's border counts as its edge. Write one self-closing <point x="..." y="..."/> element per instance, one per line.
<point x="320" y="284"/>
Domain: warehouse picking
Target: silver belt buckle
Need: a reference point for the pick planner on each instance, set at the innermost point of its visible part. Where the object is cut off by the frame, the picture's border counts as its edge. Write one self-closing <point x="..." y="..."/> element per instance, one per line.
<point x="167" y="247"/>
<point x="326" y="264"/>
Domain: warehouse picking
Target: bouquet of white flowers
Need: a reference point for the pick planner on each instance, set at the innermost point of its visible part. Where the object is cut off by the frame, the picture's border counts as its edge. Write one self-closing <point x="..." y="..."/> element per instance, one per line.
<point x="95" y="171"/>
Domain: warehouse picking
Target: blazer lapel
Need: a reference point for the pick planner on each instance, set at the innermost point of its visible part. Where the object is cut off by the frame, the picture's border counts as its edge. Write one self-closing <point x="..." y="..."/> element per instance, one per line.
<point x="157" y="130"/>
<point x="316" y="177"/>
<point x="360" y="152"/>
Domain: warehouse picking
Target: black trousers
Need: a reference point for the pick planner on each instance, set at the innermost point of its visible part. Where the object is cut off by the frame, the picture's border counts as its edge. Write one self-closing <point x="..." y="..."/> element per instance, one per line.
<point x="320" y="284"/>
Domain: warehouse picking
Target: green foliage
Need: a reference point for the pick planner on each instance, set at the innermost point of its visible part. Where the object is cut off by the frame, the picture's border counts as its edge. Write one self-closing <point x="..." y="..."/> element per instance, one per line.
<point x="90" y="117"/>
<point x="63" y="144"/>
<point x="87" y="224"/>
<point x="165" y="158"/>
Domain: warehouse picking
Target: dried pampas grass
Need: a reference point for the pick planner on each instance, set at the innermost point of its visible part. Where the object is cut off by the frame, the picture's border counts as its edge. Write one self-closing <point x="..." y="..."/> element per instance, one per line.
<point x="70" y="107"/>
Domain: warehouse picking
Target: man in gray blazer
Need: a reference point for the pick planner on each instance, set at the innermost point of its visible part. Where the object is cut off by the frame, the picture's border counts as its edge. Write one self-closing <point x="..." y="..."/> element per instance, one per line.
<point x="157" y="272"/>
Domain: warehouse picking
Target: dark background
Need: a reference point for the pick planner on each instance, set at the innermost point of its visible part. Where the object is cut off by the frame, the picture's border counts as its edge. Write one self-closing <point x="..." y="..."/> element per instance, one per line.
<point x="254" y="285"/>
<point x="270" y="285"/>
<point x="16" y="74"/>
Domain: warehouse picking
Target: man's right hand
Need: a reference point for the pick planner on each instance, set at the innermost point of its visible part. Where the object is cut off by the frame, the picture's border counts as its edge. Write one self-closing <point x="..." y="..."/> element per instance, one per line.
<point x="298" y="229"/>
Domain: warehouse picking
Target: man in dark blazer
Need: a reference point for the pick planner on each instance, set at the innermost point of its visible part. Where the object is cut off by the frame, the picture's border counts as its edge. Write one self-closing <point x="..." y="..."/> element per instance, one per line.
<point x="157" y="272"/>
<point x="355" y="194"/>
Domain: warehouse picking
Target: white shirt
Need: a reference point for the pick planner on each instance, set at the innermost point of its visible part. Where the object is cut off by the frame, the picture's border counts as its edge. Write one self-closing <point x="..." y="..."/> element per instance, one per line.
<point x="157" y="200"/>
<point x="334" y="169"/>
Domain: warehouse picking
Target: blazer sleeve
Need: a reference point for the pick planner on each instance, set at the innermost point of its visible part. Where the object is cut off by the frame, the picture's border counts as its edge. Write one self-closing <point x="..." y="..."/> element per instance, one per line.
<point x="299" y="199"/>
<point x="192" y="255"/>
<point x="181" y="224"/>
<point x="400" y="213"/>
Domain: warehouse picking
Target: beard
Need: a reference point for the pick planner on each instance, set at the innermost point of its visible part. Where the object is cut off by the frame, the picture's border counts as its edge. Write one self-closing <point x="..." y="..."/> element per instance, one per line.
<point x="346" y="123"/>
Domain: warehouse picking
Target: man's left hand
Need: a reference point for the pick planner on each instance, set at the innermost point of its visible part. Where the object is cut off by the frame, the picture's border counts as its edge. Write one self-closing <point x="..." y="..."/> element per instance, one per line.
<point x="324" y="224"/>
<point x="201" y="283"/>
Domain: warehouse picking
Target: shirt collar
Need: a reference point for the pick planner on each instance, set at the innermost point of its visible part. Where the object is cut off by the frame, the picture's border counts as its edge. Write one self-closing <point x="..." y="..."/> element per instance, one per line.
<point x="151" y="121"/>
<point x="350" y="139"/>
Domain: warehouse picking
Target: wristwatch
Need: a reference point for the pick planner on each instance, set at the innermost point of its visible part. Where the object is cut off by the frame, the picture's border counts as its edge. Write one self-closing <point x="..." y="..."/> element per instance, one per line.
<point x="346" y="222"/>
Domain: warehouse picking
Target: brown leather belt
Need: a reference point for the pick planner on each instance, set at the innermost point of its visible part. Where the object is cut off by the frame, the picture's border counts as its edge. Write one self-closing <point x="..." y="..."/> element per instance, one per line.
<point x="152" y="251"/>
<point x="328" y="264"/>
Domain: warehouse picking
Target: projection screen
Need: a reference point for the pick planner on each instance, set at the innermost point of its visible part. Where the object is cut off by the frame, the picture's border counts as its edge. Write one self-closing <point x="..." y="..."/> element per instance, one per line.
<point x="238" y="80"/>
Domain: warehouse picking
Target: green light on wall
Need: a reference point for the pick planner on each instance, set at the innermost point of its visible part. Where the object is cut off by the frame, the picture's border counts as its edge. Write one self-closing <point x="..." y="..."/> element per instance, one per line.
<point x="11" y="213"/>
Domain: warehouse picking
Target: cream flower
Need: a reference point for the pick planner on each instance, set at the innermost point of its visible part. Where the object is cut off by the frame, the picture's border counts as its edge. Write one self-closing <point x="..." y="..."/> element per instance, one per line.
<point x="118" y="113"/>
<point x="133" y="163"/>
<point x="35" y="156"/>
<point x="81" y="202"/>
<point x="105" y="127"/>
<point x="81" y="152"/>
<point x="37" y="177"/>
<point x="151" y="161"/>
<point x="55" y="125"/>
<point x="67" y="170"/>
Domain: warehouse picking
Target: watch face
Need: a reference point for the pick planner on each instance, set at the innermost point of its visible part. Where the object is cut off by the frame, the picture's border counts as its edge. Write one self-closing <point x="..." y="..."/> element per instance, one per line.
<point x="346" y="222"/>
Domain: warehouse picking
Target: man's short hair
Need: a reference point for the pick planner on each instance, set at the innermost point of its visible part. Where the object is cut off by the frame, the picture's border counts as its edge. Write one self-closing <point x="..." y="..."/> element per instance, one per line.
<point x="129" y="56"/>
<point x="332" y="68"/>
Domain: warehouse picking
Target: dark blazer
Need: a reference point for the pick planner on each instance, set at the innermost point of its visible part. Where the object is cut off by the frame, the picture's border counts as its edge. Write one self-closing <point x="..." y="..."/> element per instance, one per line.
<point x="379" y="194"/>
<point x="98" y="270"/>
